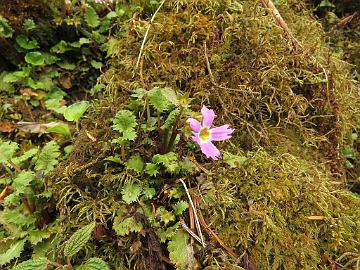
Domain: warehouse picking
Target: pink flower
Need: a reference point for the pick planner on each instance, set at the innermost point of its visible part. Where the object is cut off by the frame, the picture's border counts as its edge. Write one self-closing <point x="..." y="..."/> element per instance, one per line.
<point x="204" y="135"/>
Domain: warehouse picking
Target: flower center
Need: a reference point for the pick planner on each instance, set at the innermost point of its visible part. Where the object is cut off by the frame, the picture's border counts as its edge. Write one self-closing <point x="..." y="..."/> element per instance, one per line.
<point x="204" y="134"/>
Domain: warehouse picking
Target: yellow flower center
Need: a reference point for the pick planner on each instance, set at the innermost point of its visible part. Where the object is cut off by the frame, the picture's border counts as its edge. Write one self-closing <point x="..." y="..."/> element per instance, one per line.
<point x="204" y="134"/>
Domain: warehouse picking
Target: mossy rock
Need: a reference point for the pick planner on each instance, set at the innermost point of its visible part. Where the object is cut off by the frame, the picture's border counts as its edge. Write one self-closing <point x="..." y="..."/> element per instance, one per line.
<point x="292" y="107"/>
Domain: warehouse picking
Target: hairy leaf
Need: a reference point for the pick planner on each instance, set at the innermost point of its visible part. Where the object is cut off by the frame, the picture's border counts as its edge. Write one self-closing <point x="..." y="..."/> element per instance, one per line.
<point x="180" y="252"/>
<point x="125" y="123"/>
<point x="124" y="227"/>
<point x="131" y="192"/>
<point x="13" y="252"/>
<point x="180" y="207"/>
<point x="94" y="264"/>
<point x="33" y="264"/>
<point x="169" y="160"/>
<point x="48" y="157"/>
<point x="165" y="215"/>
<point x="158" y="99"/>
<point x="78" y="240"/>
<point x="151" y="169"/>
<point x="135" y="163"/>
<point x="91" y="18"/>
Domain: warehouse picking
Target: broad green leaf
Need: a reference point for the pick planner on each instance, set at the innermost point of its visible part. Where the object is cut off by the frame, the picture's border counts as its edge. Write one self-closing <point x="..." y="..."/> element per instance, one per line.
<point x="124" y="227"/>
<point x="33" y="264"/>
<point x="78" y="240"/>
<point x="60" y="128"/>
<point x="48" y="157"/>
<point x="93" y="264"/>
<point x="13" y="252"/>
<point x="91" y="17"/>
<point x="180" y="252"/>
<point x="25" y="43"/>
<point x="17" y="218"/>
<point x="60" y="47"/>
<point x="35" y="58"/>
<point x="234" y="160"/>
<point x="67" y="65"/>
<point x="131" y="192"/>
<point x="76" y="110"/>
<point x="135" y="163"/>
<point x="36" y="236"/>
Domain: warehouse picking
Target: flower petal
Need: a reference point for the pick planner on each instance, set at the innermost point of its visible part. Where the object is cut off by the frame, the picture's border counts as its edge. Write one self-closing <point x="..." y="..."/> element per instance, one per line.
<point x="210" y="150"/>
<point x="221" y="133"/>
<point x="194" y="124"/>
<point x="196" y="138"/>
<point x="208" y="116"/>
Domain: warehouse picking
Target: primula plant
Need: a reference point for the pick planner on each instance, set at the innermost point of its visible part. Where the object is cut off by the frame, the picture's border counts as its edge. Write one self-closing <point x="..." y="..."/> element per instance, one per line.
<point x="153" y="142"/>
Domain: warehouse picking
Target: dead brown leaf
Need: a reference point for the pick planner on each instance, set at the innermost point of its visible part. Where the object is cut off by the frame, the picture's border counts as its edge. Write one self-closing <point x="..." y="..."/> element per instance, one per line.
<point x="35" y="127"/>
<point x="6" y="126"/>
<point x="28" y="92"/>
<point x="65" y="81"/>
<point x="316" y="217"/>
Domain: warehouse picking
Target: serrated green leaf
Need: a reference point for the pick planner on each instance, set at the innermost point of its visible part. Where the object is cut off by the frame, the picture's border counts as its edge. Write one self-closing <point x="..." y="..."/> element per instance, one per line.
<point x="165" y="215"/>
<point x="22" y="180"/>
<point x="124" y="227"/>
<point x="125" y="123"/>
<point x="15" y="217"/>
<point x="149" y="192"/>
<point x="28" y="154"/>
<point x="135" y="163"/>
<point x="180" y="252"/>
<point x="48" y="157"/>
<point x="33" y="264"/>
<point x="180" y="207"/>
<point x="186" y="166"/>
<point x="17" y="76"/>
<point x="35" y="58"/>
<point x="151" y="169"/>
<point x="7" y="151"/>
<point x="91" y="17"/>
<point x="76" y="110"/>
<point x="234" y="160"/>
<point x="94" y="264"/>
<point x="168" y="233"/>
<point x="158" y="99"/>
<point x="169" y="160"/>
<point x="13" y="252"/>
<point x="170" y="120"/>
<point x="78" y="240"/>
<point x="25" y="43"/>
<point x="37" y="236"/>
<point x="131" y="192"/>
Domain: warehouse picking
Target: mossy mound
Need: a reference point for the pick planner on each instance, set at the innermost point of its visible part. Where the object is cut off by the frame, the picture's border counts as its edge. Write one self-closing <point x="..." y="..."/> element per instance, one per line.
<point x="287" y="205"/>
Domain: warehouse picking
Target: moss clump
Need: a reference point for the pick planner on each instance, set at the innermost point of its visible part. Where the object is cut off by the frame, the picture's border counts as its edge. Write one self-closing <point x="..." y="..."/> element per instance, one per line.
<point x="284" y="211"/>
<point x="232" y="56"/>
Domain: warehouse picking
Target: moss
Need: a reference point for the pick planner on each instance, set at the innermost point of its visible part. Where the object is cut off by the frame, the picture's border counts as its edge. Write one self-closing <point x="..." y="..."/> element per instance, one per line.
<point x="296" y="106"/>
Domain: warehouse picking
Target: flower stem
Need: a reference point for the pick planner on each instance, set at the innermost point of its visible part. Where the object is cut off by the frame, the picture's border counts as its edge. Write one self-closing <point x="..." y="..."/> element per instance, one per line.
<point x="122" y="145"/>
<point x="174" y="133"/>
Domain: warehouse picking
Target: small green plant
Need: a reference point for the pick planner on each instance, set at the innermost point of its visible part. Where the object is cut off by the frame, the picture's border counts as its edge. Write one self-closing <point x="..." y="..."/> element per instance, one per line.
<point x="24" y="199"/>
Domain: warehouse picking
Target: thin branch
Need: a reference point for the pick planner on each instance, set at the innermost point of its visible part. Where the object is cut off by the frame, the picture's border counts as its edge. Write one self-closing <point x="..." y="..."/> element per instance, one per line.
<point x="280" y="21"/>
<point x="146" y="34"/>
<point x="196" y="217"/>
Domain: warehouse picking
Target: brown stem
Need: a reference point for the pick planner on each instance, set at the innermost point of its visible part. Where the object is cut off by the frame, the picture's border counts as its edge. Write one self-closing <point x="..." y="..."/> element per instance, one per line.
<point x="27" y="205"/>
